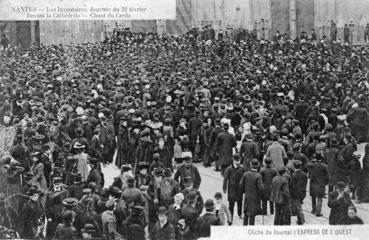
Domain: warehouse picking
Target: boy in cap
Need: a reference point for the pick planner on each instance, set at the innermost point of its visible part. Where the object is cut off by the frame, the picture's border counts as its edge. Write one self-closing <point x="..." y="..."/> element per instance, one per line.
<point x="163" y="230"/>
<point x="252" y="186"/>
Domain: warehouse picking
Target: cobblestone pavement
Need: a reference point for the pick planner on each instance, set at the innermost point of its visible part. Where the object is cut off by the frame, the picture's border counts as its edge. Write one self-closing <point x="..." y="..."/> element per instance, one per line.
<point x="212" y="182"/>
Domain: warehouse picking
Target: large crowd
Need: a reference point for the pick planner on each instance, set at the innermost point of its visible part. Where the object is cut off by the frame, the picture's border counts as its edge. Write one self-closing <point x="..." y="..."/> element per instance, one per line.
<point x="267" y="114"/>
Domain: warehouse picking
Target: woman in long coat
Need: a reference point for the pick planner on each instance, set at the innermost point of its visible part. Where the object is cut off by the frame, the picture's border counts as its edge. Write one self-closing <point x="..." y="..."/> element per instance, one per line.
<point x="38" y="172"/>
<point x="123" y="144"/>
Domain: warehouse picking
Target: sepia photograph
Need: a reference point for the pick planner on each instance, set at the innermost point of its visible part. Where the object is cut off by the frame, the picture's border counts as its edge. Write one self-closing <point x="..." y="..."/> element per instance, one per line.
<point x="184" y="119"/>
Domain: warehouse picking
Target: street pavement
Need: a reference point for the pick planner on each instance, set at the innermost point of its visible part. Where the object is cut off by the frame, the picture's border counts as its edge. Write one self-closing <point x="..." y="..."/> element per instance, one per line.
<point x="212" y="182"/>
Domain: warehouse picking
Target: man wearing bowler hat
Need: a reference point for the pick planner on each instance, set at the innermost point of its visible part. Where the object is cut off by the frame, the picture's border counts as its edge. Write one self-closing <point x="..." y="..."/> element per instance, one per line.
<point x="231" y="180"/>
<point x="208" y="219"/>
<point x="252" y="186"/>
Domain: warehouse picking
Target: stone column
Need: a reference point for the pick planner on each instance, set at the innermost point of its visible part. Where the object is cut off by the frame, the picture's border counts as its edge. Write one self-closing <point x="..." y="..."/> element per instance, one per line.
<point x="292" y="21"/>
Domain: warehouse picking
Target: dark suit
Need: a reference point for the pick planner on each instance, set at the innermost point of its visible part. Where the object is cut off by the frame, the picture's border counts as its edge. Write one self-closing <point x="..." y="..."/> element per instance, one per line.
<point x="190" y="216"/>
<point x="166" y="232"/>
<point x="339" y="207"/>
<point x="232" y="178"/>
<point x="213" y="136"/>
<point x="319" y="178"/>
<point x="200" y="202"/>
<point x="248" y="151"/>
<point x="267" y="175"/>
<point x="280" y="195"/>
<point x="224" y="144"/>
<point x="204" y="222"/>
<point x="252" y="185"/>
<point x="298" y="193"/>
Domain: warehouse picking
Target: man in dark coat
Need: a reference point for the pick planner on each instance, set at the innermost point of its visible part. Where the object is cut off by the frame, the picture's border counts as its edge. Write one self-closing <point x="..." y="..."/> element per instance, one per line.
<point x="298" y="191"/>
<point x="224" y="144"/>
<point x="339" y="202"/>
<point x="75" y="190"/>
<point x="319" y="178"/>
<point x="232" y="178"/>
<point x="213" y="136"/>
<point x="189" y="189"/>
<point x="248" y="151"/>
<point x="358" y="119"/>
<point x="190" y="215"/>
<point x="267" y="175"/>
<point x="205" y="133"/>
<point x="332" y="157"/>
<point x="163" y="230"/>
<point x="252" y="186"/>
<point x="54" y="205"/>
<point x="208" y="219"/>
<point x="299" y="112"/>
<point x="315" y="115"/>
<point x="32" y="213"/>
<point x="188" y="170"/>
<point x="280" y="195"/>
<point x="194" y="129"/>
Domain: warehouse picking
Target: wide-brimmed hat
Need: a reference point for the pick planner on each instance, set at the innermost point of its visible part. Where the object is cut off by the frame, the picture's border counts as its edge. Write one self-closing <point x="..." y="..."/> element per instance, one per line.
<point x="70" y="202"/>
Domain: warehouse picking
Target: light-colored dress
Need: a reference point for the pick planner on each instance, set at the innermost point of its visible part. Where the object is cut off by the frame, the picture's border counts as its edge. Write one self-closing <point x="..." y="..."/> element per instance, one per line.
<point x="82" y="165"/>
